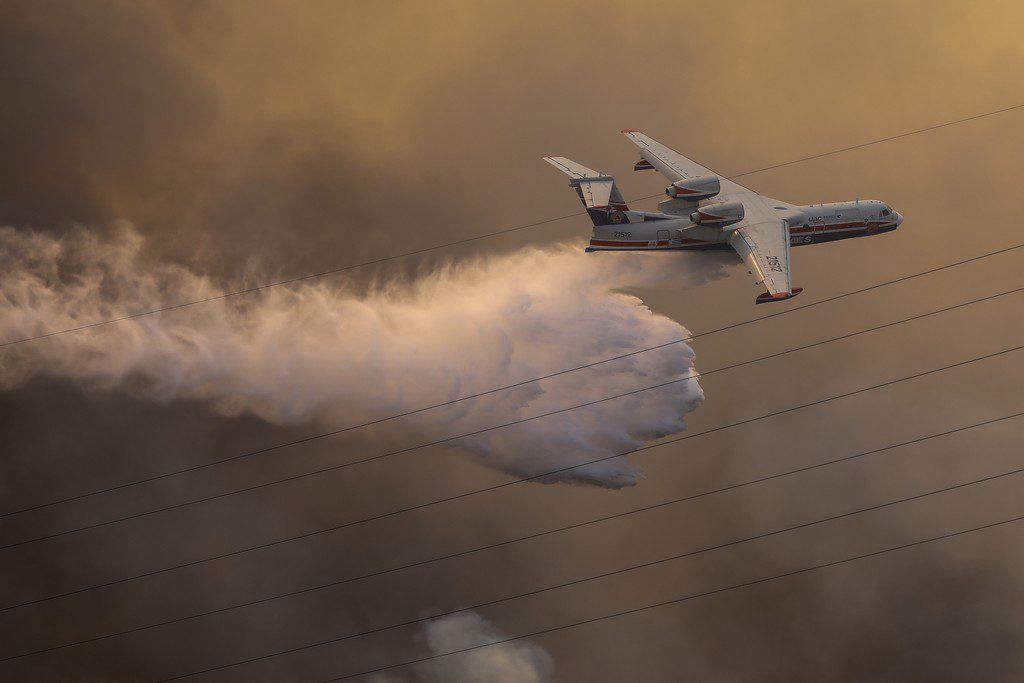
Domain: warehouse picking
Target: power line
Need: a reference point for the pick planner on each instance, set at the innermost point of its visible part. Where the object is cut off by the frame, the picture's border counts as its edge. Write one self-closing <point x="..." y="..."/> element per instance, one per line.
<point x="684" y="598"/>
<point x="314" y="437"/>
<point x="519" y="539"/>
<point x="881" y="140"/>
<point x="334" y="271"/>
<point x="512" y="482"/>
<point x="603" y="575"/>
<point x="381" y="456"/>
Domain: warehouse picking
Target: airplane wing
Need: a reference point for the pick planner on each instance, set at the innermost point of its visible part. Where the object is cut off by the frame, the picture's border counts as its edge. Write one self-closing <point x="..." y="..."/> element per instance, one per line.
<point x="764" y="247"/>
<point x="669" y="162"/>
<point x="675" y="166"/>
<point x="761" y="238"/>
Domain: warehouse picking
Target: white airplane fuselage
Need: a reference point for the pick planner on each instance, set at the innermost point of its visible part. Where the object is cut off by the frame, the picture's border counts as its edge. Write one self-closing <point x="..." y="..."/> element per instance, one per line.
<point x="812" y="224"/>
<point x="707" y="211"/>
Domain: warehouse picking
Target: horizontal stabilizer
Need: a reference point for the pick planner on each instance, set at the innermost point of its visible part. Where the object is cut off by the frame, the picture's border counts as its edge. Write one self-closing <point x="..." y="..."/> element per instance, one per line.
<point x="572" y="169"/>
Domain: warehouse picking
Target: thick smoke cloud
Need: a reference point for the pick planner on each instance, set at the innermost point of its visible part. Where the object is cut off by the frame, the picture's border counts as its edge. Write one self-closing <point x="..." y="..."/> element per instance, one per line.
<point x="319" y="353"/>
<point x="304" y="136"/>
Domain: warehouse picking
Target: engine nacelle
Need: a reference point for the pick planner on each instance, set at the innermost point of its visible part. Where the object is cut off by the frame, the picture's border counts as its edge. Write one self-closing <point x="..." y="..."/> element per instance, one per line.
<point x="694" y="189"/>
<point x="718" y="215"/>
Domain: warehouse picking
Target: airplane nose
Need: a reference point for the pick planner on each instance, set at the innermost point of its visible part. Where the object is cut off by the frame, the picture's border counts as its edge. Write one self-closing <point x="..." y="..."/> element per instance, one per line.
<point x="899" y="219"/>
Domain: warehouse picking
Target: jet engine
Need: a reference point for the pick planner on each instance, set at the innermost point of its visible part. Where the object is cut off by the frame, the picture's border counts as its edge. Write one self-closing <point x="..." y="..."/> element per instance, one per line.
<point x="718" y="215"/>
<point x="694" y="189"/>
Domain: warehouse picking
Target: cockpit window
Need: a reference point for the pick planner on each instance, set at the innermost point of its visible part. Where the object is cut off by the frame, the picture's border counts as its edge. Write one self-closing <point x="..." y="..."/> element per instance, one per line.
<point x="886" y="211"/>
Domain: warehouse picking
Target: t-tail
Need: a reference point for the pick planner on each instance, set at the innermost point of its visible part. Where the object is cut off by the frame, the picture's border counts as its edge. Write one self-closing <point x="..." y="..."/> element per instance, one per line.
<point x="596" y="190"/>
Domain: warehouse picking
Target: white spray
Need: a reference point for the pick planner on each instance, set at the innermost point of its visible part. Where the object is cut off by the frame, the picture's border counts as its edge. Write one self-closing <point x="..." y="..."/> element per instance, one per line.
<point x="320" y="353"/>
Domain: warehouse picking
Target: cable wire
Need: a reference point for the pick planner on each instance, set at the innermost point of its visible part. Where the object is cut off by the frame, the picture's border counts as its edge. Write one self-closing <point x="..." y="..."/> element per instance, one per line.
<point x="315" y="437"/>
<point x="334" y="271"/>
<point x="519" y="539"/>
<point x="606" y="574"/>
<point x="513" y="482"/>
<point x="674" y="601"/>
<point x="381" y="456"/>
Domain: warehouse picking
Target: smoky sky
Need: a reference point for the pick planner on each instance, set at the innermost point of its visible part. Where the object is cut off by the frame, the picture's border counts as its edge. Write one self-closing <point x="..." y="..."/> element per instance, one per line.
<point x="111" y="113"/>
<point x="250" y="141"/>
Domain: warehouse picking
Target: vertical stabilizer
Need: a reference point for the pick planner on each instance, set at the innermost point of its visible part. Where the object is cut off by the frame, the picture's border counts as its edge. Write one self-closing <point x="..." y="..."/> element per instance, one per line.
<point x="597" y="191"/>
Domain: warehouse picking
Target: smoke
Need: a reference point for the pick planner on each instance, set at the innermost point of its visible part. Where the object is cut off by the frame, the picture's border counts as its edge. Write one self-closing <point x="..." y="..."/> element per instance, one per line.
<point x="321" y="353"/>
<point x="514" y="662"/>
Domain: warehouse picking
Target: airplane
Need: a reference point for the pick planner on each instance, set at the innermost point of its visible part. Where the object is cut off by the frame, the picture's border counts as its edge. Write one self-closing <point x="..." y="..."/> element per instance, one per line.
<point x="707" y="211"/>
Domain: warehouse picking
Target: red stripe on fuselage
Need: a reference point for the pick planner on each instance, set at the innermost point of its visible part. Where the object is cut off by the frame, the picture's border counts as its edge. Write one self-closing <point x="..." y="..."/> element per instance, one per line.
<point x="836" y="226"/>
<point x="827" y="226"/>
<point x="815" y="229"/>
<point x="641" y="243"/>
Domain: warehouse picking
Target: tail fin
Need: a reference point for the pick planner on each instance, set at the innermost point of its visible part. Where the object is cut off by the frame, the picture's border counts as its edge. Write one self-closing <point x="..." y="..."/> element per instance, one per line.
<point x="597" y="191"/>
